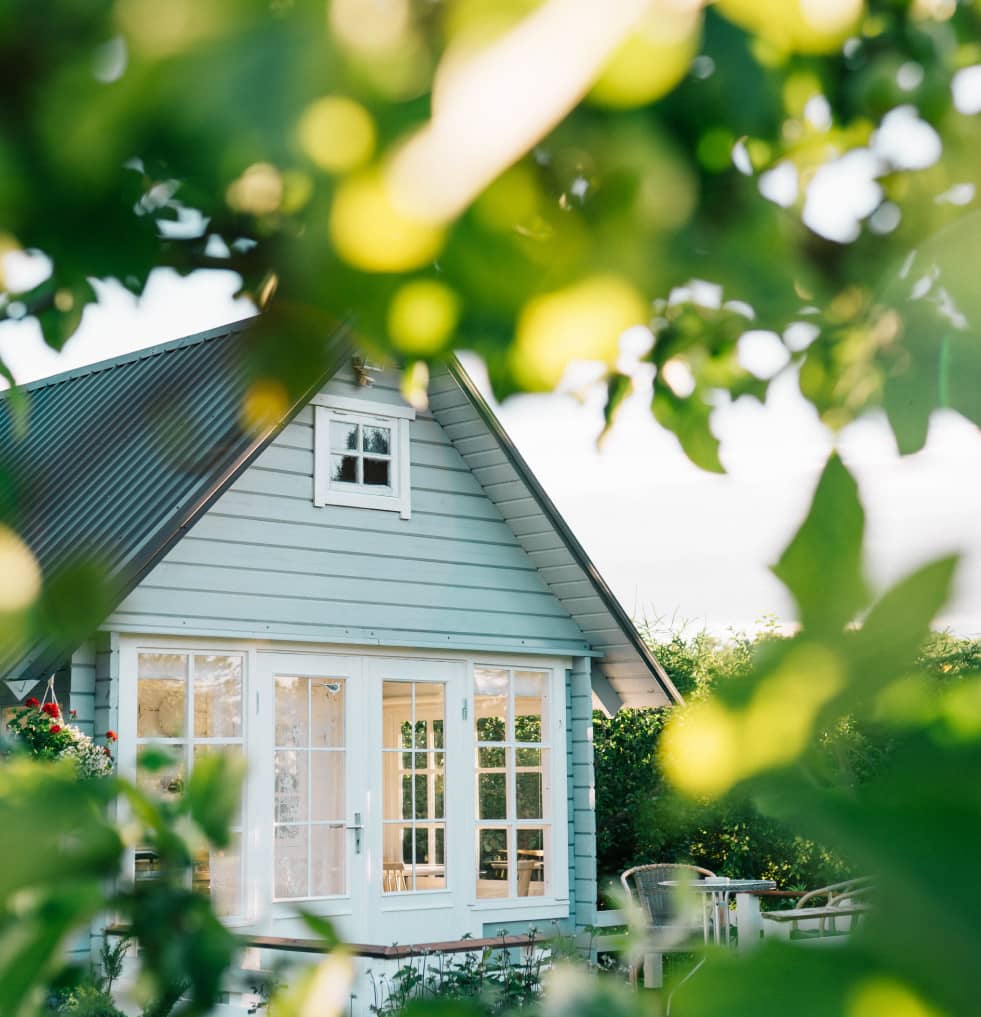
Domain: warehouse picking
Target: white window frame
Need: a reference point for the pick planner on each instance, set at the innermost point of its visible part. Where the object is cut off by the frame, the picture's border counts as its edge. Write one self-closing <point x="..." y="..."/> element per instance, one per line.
<point x="555" y="801"/>
<point x="328" y="408"/>
<point x="132" y="743"/>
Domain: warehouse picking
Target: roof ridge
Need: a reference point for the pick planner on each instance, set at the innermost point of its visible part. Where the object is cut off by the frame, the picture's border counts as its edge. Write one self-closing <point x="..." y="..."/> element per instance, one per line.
<point x="167" y="346"/>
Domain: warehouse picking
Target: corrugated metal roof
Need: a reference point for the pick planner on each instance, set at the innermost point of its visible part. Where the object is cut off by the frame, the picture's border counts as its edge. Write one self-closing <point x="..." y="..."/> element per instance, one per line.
<point x="119" y="458"/>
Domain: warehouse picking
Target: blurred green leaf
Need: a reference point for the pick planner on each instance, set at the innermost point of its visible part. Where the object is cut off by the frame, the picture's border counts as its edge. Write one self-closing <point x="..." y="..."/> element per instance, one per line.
<point x="822" y="566"/>
<point x="214" y="794"/>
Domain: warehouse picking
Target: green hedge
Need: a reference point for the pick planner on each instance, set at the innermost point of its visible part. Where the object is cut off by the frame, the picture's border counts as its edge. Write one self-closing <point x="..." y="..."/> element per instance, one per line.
<point x="639" y="819"/>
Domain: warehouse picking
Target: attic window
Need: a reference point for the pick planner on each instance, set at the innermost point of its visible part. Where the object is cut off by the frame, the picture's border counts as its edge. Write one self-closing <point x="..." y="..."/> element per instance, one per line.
<point x="362" y="454"/>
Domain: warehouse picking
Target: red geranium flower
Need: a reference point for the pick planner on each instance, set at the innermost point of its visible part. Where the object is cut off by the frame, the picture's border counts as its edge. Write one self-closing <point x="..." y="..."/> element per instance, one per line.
<point x="32" y="702"/>
<point x="51" y="709"/>
<point x="112" y="736"/>
<point x="54" y="729"/>
<point x="74" y="714"/>
<point x="105" y="749"/>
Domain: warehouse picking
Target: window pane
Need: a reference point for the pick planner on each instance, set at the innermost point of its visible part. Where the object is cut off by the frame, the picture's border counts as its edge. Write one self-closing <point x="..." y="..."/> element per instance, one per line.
<point x="327" y="704"/>
<point x="528" y="757"/>
<point x="291" y="857"/>
<point x="395" y="877"/>
<point x="407" y="845"/>
<point x="291" y="802"/>
<point x="406" y="796"/>
<point x="217" y="697"/>
<point x="328" y="876"/>
<point x="490" y="758"/>
<point x="343" y="436"/>
<point x="439" y="797"/>
<point x="218" y="872"/>
<point x="376" y="472"/>
<point x="344" y="469"/>
<point x="161" y="692"/>
<point x="397" y="715"/>
<point x="291" y="712"/>
<point x="392" y="793"/>
<point x="492" y="796"/>
<point x="327" y="786"/>
<point x="437" y="734"/>
<point x="490" y="704"/>
<point x="529" y="695"/>
<point x="422" y="845"/>
<point x="378" y="440"/>
<point x="167" y="782"/>
<point x="531" y="863"/>
<point x="492" y="863"/>
<point x="421" y="729"/>
<point x="422" y="796"/>
<point x="528" y="792"/>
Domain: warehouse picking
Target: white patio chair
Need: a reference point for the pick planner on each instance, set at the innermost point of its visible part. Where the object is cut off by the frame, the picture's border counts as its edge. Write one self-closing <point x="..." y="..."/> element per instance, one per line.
<point x="826" y="913"/>
<point x="672" y="930"/>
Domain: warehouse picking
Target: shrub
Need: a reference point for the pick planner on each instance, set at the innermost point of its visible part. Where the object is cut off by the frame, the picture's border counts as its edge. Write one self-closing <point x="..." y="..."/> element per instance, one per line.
<point x="490" y="979"/>
<point x="640" y="819"/>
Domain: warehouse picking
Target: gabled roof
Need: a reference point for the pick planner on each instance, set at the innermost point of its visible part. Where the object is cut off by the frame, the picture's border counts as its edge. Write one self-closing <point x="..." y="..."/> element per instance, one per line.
<point x="120" y="458"/>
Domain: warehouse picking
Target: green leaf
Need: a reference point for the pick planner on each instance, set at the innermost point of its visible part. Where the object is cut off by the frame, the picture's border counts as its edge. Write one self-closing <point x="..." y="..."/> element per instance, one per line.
<point x="322" y="928"/>
<point x="214" y="794"/>
<point x="899" y="624"/>
<point x="822" y="566"/>
<point x="31" y="946"/>
<point x="618" y="388"/>
<point x="688" y="419"/>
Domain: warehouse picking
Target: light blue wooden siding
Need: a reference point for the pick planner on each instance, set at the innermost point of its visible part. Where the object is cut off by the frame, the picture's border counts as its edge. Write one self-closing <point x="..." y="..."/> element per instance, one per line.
<point x="264" y="561"/>
<point x="623" y="675"/>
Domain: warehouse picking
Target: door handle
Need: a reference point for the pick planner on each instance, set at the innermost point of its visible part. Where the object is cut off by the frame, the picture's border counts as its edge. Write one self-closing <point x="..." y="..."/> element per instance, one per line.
<point x="357" y="827"/>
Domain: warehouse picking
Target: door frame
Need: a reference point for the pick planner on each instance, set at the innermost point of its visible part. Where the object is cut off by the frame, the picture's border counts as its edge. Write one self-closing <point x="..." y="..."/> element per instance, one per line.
<point x="347" y="909"/>
<point x="403" y="915"/>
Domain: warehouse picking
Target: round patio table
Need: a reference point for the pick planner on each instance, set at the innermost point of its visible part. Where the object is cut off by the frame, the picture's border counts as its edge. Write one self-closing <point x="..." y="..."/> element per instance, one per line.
<point x="722" y="890"/>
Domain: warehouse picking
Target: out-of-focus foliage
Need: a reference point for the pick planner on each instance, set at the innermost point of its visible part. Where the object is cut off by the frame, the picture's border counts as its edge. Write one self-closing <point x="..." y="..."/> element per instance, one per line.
<point x="640" y="819"/>
<point x="905" y="819"/>
<point x="424" y="169"/>
<point x="62" y="851"/>
<point x="795" y="175"/>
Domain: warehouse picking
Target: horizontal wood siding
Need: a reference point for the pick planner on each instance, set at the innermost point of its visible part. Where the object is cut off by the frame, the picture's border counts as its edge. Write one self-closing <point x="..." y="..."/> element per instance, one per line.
<point x="545" y="546"/>
<point x="266" y="560"/>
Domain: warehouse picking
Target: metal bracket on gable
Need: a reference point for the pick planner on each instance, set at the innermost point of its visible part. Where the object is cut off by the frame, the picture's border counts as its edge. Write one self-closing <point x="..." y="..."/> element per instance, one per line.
<point x="363" y="371"/>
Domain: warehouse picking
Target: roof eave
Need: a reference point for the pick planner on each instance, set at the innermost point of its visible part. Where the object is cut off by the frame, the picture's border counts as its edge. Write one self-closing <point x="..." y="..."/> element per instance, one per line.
<point x="553" y="515"/>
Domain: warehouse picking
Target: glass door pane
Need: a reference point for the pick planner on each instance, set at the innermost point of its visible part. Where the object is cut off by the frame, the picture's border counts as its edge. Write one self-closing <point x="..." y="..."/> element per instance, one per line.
<point x="309" y="787"/>
<point x="413" y="786"/>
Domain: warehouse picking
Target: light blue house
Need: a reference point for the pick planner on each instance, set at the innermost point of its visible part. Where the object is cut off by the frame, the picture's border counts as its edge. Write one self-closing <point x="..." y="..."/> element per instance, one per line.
<point x="377" y="605"/>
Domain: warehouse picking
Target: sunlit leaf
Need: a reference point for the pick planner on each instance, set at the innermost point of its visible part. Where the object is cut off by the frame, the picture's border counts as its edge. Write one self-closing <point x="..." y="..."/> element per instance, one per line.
<point x="214" y="793"/>
<point x="822" y="566"/>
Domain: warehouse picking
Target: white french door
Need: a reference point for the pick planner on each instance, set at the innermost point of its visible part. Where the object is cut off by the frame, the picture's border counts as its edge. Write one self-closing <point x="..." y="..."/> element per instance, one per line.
<point x="313" y="793"/>
<point x="363" y="796"/>
<point x="418" y="860"/>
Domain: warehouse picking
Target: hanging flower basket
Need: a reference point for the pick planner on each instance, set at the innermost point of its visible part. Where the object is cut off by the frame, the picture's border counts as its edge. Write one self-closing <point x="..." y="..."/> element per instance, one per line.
<point x="42" y="729"/>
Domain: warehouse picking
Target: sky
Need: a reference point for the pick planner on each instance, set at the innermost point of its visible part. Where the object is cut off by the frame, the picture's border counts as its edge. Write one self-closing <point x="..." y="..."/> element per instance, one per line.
<point x="678" y="546"/>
